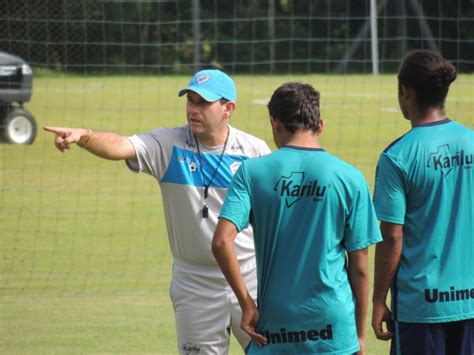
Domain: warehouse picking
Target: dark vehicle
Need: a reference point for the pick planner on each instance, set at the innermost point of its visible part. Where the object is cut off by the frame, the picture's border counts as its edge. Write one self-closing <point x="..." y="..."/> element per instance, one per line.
<point x="17" y="125"/>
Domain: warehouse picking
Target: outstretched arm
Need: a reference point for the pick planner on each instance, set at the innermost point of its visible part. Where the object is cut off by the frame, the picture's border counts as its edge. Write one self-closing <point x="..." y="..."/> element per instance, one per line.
<point x="224" y="252"/>
<point x="106" y="145"/>
<point x="387" y="259"/>
<point x="358" y="270"/>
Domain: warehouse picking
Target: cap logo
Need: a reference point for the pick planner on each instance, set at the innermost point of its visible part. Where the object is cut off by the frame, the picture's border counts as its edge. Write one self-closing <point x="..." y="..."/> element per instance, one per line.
<point x="203" y="78"/>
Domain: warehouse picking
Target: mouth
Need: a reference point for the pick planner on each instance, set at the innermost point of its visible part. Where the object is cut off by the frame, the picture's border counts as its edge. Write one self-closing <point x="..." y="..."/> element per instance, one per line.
<point x="194" y="120"/>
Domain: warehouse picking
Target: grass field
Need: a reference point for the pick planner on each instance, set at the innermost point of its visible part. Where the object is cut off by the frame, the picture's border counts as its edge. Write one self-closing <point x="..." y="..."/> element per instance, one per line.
<point x="84" y="258"/>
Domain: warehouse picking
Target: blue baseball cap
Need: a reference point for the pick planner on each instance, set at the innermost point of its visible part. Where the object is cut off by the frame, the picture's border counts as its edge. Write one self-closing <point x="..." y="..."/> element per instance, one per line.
<point x="212" y="85"/>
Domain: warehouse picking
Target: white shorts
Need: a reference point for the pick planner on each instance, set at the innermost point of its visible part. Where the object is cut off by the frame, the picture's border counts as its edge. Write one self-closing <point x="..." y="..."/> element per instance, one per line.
<point x="206" y="309"/>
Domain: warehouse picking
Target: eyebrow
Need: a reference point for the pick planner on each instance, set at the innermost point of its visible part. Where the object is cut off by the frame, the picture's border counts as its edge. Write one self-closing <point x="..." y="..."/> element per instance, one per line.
<point x="200" y="100"/>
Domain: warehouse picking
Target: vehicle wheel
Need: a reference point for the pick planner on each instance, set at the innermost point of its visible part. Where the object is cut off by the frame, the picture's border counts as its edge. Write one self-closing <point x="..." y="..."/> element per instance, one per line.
<point x="19" y="127"/>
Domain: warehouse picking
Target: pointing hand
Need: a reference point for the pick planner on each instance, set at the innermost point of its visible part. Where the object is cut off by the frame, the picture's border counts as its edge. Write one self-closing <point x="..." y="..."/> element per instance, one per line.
<point x="67" y="136"/>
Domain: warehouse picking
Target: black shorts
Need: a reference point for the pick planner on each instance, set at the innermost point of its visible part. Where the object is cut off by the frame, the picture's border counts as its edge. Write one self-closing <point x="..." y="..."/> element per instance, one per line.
<point x="450" y="338"/>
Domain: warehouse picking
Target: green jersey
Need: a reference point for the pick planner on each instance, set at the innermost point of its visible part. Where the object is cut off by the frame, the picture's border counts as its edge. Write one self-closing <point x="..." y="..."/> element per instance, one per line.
<point x="308" y="208"/>
<point x="425" y="182"/>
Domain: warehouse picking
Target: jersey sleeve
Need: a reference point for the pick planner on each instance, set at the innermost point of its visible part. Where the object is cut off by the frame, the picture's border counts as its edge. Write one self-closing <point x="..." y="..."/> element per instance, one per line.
<point x="237" y="204"/>
<point x="362" y="229"/>
<point x="389" y="193"/>
<point x="153" y="150"/>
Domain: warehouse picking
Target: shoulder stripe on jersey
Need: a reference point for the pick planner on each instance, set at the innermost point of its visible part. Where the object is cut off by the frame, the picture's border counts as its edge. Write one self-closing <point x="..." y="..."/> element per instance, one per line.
<point x="446" y="120"/>
<point x="395" y="142"/>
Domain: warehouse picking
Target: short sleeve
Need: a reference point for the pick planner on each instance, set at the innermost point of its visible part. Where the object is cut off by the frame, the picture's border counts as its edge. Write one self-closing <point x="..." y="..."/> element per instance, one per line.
<point x="153" y="151"/>
<point x="237" y="204"/>
<point x="362" y="229"/>
<point x="389" y="193"/>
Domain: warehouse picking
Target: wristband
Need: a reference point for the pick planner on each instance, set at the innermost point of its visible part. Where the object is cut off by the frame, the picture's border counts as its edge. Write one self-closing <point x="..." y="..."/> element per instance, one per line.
<point x="89" y="136"/>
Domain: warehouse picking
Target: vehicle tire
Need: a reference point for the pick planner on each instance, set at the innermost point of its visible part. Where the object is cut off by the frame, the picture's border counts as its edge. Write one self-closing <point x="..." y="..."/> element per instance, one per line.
<point x="19" y="127"/>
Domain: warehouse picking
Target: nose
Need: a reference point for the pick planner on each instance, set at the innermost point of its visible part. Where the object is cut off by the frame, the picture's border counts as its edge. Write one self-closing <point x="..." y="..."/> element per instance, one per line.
<point x="192" y="107"/>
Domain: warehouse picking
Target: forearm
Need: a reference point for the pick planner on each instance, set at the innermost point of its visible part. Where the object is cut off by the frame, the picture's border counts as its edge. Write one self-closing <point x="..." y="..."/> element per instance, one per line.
<point x="361" y="296"/>
<point x="387" y="260"/>
<point x="106" y="145"/>
<point x="224" y="253"/>
<point x="359" y="280"/>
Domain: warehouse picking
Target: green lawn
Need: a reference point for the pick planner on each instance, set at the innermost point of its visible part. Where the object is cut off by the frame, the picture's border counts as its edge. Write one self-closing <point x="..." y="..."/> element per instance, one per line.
<point x="84" y="258"/>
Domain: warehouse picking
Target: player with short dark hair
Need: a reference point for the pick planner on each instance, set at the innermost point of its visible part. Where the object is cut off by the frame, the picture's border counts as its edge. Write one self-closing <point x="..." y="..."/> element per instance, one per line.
<point x="424" y="198"/>
<point x="313" y="221"/>
<point x="193" y="164"/>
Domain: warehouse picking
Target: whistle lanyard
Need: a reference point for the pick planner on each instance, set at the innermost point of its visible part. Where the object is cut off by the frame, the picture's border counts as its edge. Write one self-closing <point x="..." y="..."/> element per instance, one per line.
<point x="205" y="209"/>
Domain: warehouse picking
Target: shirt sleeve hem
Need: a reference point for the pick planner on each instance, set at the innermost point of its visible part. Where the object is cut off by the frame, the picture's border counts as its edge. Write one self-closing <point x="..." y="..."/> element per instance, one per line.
<point x="393" y="220"/>
<point x="374" y="240"/>
<point x="134" y="165"/>
<point x="232" y="220"/>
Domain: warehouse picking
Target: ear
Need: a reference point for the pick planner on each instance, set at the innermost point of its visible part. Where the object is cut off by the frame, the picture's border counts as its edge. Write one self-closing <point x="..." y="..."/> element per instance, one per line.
<point x="276" y="124"/>
<point x="404" y="92"/>
<point x="321" y="126"/>
<point x="229" y="108"/>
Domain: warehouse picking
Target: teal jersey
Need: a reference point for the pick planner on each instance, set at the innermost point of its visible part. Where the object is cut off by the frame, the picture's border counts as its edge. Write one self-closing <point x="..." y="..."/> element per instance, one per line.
<point x="425" y="182"/>
<point x="307" y="209"/>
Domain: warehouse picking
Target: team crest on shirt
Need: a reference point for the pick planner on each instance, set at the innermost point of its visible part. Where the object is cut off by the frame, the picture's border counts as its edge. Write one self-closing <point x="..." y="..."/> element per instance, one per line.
<point x="234" y="166"/>
<point x="192" y="164"/>
<point x="445" y="160"/>
<point x="294" y="188"/>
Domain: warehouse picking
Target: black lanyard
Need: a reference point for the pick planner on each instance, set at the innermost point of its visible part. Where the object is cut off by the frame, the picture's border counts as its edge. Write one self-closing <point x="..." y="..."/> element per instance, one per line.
<point x="205" y="209"/>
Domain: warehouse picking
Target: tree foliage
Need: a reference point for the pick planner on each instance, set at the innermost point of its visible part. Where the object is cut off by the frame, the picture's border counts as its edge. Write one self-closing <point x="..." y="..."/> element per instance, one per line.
<point x="245" y="36"/>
